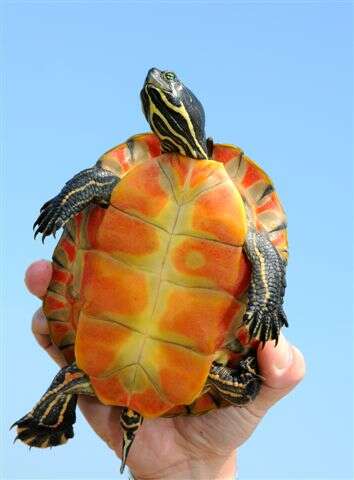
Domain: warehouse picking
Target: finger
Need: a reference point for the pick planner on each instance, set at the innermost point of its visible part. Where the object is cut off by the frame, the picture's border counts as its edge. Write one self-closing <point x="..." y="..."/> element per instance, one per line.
<point x="104" y="420"/>
<point x="38" y="276"/>
<point x="41" y="333"/>
<point x="283" y="367"/>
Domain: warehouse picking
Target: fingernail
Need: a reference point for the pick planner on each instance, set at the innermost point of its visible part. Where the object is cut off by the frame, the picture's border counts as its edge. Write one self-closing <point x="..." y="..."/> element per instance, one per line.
<point x="284" y="354"/>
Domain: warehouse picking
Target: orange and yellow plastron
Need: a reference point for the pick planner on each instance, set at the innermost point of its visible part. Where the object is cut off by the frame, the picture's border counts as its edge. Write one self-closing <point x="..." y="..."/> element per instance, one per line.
<point x="145" y="292"/>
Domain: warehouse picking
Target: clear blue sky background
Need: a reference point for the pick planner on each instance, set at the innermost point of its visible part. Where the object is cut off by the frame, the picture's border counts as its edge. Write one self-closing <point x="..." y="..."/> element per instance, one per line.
<point x="276" y="79"/>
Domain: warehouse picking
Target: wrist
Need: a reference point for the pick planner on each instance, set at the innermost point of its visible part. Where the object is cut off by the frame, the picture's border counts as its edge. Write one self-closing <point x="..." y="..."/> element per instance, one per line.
<point x="211" y="468"/>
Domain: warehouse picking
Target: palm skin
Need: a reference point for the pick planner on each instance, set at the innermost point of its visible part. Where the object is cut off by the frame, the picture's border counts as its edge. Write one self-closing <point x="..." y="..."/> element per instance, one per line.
<point x="182" y="447"/>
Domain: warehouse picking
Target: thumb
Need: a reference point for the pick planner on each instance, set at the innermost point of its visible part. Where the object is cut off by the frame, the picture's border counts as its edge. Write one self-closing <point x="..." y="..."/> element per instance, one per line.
<point x="38" y="276"/>
<point x="282" y="367"/>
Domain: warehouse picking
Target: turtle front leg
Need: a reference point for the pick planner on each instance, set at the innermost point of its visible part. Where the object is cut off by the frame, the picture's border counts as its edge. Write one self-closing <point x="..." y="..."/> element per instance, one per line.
<point x="265" y="315"/>
<point x="50" y="422"/>
<point x="237" y="386"/>
<point x="93" y="185"/>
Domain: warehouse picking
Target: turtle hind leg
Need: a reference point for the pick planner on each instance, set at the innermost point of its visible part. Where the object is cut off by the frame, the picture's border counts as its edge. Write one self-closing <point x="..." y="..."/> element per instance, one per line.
<point x="35" y="433"/>
<point x="130" y="421"/>
<point x="265" y="316"/>
<point x="50" y="422"/>
<point x="237" y="386"/>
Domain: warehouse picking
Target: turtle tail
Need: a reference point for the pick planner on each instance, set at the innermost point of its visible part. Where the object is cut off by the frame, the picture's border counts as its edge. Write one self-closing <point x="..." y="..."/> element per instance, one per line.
<point x="130" y="421"/>
<point x="50" y="422"/>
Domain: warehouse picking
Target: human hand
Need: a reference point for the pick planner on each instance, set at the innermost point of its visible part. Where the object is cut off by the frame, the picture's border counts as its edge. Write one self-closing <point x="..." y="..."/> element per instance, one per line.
<point x="201" y="447"/>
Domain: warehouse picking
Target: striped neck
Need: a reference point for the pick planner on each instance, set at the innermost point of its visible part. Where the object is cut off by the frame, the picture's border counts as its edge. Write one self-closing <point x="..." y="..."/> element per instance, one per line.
<point x="175" y="115"/>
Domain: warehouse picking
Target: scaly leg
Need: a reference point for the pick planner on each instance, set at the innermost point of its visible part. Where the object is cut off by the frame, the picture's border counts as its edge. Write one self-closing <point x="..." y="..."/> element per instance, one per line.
<point x="237" y="386"/>
<point x="50" y="422"/>
<point x="93" y="185"/>
<point x="265" y="315"/>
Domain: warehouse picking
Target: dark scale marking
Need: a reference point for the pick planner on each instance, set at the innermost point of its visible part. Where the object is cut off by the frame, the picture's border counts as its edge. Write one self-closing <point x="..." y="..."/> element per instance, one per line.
<point x="66" y="345"/>
<point x="70" y="235"/>
<point x="269" y="189"/>
<point x="58" y="262"/>
<point x="281" y="226"/>
<point x="210" y="146"/>
<point x="130" y="146"/>
<point x="52" y="319"/>
<point x="57" y="292"/>
<point x="188" y="409"/>
<point x="240" y="159"/>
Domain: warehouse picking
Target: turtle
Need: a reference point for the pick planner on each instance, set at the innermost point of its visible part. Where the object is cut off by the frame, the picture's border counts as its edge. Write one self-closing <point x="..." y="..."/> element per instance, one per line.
<point x="169" y="273"/>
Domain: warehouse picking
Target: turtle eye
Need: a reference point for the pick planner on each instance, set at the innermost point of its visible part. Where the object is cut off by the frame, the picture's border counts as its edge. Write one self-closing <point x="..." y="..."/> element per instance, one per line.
<point x="169" y="76"/>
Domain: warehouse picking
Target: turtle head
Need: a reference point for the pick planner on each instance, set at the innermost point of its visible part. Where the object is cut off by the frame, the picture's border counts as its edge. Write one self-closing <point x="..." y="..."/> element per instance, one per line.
<point x="174" y="114"/>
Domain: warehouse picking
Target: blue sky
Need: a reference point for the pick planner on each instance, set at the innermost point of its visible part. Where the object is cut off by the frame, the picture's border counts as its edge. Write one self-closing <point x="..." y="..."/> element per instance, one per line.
<point x="275" y="78"/>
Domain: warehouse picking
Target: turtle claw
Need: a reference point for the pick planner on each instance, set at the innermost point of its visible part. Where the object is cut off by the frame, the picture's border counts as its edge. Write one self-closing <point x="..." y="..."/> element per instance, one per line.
<point x="265" y="325"/>
<point x="33" y="434"/>
<point x="50" y="219"/>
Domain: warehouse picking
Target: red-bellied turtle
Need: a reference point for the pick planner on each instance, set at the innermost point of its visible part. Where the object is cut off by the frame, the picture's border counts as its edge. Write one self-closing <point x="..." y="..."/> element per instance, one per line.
<point x="169" y="272"/>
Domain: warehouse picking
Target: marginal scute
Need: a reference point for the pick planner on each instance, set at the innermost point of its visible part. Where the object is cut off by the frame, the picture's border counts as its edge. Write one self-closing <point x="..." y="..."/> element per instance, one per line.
<point x="55" y="306"/>
<point x="264" y="208"/>
<point x="61" y="333"/>
<point x="136" y="149"/>
<point x="60" y="279"/>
